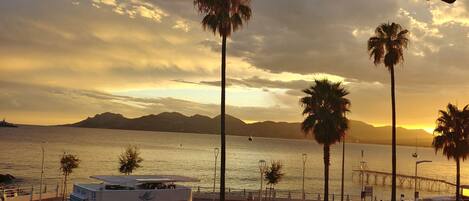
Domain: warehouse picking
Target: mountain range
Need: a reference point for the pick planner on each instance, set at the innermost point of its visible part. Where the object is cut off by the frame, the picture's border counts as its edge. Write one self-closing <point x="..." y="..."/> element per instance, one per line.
<point x="359" y="132"/>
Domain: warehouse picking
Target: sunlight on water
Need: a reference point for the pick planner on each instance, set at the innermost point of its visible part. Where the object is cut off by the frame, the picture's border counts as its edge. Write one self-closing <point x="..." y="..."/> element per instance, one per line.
<point x="192" y="155"/>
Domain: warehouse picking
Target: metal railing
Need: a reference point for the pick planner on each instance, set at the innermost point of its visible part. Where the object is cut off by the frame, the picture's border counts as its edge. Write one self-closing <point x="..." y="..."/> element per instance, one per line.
<point x="29" y="192"/>
<point x="267" y="194"/>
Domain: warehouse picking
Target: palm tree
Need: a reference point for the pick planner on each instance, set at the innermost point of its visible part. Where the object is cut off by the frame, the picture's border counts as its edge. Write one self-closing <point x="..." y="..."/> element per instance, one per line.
<point x="223" y="17"/>
<point x="387" y="46"/>
<point x="453" y="129"/>
<point x="325" y="107"/>
<point x="130" y="160"/>
<point x="273" y="175"/>
<point x="68" y="163"/>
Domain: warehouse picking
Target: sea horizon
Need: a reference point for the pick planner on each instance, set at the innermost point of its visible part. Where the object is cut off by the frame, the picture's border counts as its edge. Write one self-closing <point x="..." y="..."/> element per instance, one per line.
<point x="192" y="155"/>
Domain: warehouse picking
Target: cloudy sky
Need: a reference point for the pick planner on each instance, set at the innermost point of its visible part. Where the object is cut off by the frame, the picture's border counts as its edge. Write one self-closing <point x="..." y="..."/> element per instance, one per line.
<point x="65" y="60"/>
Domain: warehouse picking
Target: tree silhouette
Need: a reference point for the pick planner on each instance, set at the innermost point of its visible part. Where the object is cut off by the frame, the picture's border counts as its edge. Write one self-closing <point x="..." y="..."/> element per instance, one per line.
<point x="273" y="175"/>
<point x="68" y="163"/>
<point x="223" y="17"/>
<point x="387" y="46"/>
<point x="325" y="108"/>
<point x="453" y="137"/>
<point x="130" y="160"/>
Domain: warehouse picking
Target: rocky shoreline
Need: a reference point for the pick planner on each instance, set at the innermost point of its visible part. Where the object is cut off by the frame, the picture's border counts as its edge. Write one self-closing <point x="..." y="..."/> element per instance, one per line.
<point x="6" y="124"/>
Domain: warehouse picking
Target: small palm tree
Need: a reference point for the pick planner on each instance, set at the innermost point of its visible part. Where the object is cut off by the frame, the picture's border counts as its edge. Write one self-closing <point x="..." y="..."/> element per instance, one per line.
<point x="68" y="163"/>
<point x="130" y="160"/>
<point x="387" y="46"/>
<point x="273" y="175"/>
<point x="325" y="108"/>
<point x="453" y="137"/>
<point x="223" y="17"/>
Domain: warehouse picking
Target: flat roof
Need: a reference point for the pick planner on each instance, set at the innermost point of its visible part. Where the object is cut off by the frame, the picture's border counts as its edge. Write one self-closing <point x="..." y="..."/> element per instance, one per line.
<point x="138" y="179"/>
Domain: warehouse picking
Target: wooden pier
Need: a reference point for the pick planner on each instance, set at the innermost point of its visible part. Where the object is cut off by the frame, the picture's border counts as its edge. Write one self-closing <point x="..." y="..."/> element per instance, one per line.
<point x="372" y="177"/>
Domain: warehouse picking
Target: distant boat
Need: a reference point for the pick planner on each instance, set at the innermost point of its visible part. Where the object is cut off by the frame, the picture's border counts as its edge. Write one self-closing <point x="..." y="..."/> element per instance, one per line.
<point x="250" y="138"/>
<point x="6" y="124"/>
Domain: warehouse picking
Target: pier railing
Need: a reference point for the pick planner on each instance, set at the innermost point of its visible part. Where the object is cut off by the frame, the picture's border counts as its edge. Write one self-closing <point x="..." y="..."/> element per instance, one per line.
<point x="382" y="178"/>
<point x="29" y="193"/>
<point x="206" y="193"/>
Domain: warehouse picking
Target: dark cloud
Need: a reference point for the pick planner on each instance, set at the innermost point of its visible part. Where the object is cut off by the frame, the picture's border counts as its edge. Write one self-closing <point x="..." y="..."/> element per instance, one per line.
<point x="59" y="46"/>
<point x="257" y="82"/>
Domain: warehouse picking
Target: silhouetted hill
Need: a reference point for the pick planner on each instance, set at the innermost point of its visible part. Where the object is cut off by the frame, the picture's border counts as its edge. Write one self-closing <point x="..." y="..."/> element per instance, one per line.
<point x="6" y="124"/>
<point x="177" y="122"/>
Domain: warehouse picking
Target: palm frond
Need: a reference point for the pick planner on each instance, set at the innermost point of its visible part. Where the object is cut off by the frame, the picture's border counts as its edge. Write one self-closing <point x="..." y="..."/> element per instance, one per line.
<point x="325" y="108"/>
<point x="388" y="44"/>
<point x="452" y="133"/>
<point x="223" y="16"/>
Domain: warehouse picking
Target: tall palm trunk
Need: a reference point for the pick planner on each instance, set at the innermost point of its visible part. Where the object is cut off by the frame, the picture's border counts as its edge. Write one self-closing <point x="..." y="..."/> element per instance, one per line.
<point x="393" y="103"/>
<point x="326" y="171"/>
<point x="457" y="179"/>
<point x="64" y="191"/>
<point x="222" y="119"/>
<point x="343" y="171"/>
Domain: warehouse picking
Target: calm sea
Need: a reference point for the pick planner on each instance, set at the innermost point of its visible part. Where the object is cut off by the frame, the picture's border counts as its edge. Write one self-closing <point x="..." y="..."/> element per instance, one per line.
<point x="193" y="155"/>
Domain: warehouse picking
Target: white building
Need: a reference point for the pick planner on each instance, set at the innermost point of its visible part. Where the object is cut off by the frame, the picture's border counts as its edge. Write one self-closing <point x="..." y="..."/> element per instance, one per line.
<point x="134" y="188"/>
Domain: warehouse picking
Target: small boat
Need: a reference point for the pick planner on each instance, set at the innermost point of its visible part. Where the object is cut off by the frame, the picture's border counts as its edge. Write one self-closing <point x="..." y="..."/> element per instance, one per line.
<point x="250" y="138"/>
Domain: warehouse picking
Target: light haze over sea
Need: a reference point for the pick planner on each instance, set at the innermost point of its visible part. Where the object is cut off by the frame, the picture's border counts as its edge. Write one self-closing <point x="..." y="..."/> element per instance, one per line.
<point x="193" y="155"/>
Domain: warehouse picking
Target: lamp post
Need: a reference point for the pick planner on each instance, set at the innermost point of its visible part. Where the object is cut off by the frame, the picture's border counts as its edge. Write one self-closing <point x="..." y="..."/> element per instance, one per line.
<point x="304" y="165"/>
<point x="362" y="171"/>
<point x="42" y="171"/>
<point x="216" y="152"/>
<point x="415" y="181"/>
<point x="262" y="166"/>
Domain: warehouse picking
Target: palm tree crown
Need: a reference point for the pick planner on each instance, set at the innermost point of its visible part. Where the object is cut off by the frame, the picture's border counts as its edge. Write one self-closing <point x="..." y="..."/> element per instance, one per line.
<point x="453" y="139"/>
<point x="325" y="106"/>
<point x="224" y="16"/>
<point x="453" y="130"/>
<point x="388" y="44"/>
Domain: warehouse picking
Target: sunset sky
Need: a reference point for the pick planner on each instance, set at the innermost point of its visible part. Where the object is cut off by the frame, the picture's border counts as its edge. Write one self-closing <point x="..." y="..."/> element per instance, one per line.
<point x="64" y="60"/>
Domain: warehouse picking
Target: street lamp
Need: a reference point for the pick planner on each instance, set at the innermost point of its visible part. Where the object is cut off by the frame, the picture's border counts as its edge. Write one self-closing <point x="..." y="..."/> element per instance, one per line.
<point x="304" y="165"/>
<point x="42" y="171"/>
<point x="415" y="181"/>
<point x="262" y="167"/>
<point x="216" y="152"/>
